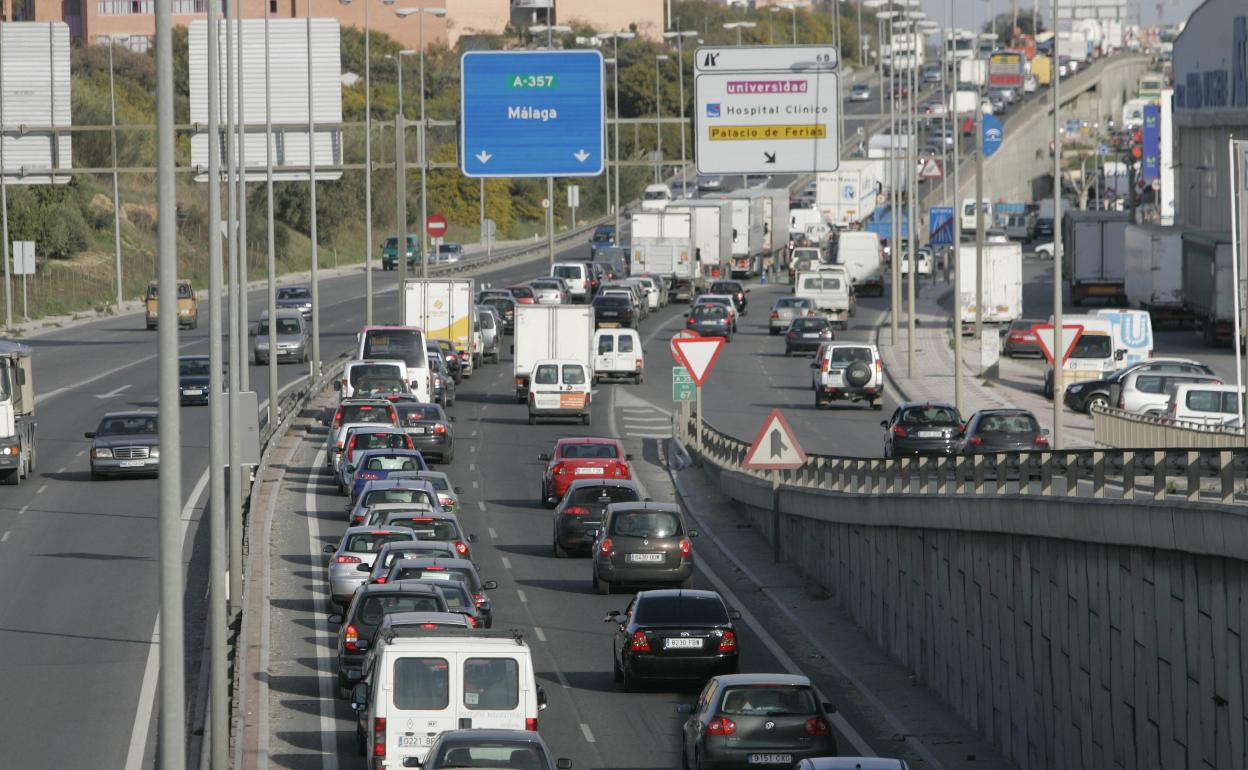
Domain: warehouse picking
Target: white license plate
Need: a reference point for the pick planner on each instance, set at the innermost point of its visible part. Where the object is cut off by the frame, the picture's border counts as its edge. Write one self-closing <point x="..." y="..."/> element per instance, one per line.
<point x="193" y="392"/>
<point x="810" y="335"/>
<point x="414" y="741"/>
<point x="928" y="434"/>
<point x="131" y="463"/>
<point x="770" y="759"/>
<point x="647" y="558"/>
<point x="588" y="471"/>
<point x="418" y="431"/>
<point x="682" y="644"/>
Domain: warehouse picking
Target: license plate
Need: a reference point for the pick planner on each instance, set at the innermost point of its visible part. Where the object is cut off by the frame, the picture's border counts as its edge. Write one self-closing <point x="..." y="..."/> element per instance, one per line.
<point x="418" y="431"/>
<point x="550" y="401"/>
<point x="131" y="463"/>
<point x="610" y="315"/>
<point x="588" y="471"/>
<point x="929" y="434"/>
<point x="646" y="558"/>
<point x="810" y="335"/>
<point x="682" y="644"/>
<point x="193" y="392"/>
<point x="414" y="741"/>
<point x="770" y="759"/>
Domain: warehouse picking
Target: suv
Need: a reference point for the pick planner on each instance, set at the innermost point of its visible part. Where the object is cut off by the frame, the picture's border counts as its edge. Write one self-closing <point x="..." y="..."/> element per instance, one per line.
<point x="390" y="252"/>
<point x="848" y="370"/>
<point x="1080" y="396"/>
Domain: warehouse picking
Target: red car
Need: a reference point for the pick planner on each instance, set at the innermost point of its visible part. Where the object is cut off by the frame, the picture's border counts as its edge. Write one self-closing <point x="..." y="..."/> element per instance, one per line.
<point x="582" y="458"/>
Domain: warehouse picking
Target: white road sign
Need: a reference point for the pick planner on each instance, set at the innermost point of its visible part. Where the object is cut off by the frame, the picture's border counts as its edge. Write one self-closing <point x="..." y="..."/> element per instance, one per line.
<point x="764" y="110"/>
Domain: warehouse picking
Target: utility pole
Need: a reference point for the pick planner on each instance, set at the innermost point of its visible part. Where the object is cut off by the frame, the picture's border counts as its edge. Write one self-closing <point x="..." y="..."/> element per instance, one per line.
<point x="112" y="109"/>
<point x="238" y="358"/>
<point x="955" y="253"/>
<point x="244" y="373"/>
<point x="1059" y="386"/>
<point x="4" y="202"/>
<point x="979" y="221"/>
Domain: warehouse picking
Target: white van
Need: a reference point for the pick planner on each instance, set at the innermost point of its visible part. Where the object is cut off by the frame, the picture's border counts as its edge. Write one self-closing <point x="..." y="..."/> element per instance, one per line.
<point x="1134" y="329"/>
<point x="576" y="276"/>
<point x="1096" y="353"/>
<point x="968" y="214"/>
<point x="828" y="288"/>
<point x="356" y="370"/>
<point x="422" y="682"/>
<point x="1205" y="404"/>
<point x="617" y="353"/>
<point x="560" y="388"/>
<point x="656" y="197"/>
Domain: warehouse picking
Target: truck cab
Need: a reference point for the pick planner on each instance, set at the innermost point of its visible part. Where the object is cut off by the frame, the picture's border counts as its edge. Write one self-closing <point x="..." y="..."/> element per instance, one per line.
<point x="17" y="413"/>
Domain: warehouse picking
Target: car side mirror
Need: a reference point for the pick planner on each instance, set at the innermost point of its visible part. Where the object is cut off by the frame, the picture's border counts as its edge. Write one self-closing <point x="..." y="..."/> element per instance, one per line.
<point x="490" y="585"/>
<point x="473" y="538"/>
<point x="541" y="702"/>
<point x="694" y="533"/>
<point x="328" y="549"/>
<point x="684" y="708"/>
<point x="747" y="291"/>
<point x="363" y="568"/>
<point x="1044" y="431"/>
<point x="459" y="490"/>
<point x="613" y="615"/>
<point x="359" y="697"/>
<point x="628" y="457"/>
<point x="335" y="620"/>
<point x="814" y="365"/>
<point x="563" y="763"/>
<point x="734" y="614"/>
<point x="544" y="457"/>
<point x="451" y="418"/>
<point x="883" y="423"/>
<point x="337" y="384"/>
<point x="89" y="434"/>
<point x="829" y="707"/>
<point x="1119" y="355"/>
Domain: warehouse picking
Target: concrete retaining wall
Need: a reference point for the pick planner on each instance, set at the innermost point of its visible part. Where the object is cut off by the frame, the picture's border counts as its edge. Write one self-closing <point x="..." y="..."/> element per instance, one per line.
<point x="1076" y="634"/>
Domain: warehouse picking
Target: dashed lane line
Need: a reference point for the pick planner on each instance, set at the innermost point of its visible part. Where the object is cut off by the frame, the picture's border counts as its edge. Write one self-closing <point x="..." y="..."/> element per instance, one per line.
<point x="589" y="736"/>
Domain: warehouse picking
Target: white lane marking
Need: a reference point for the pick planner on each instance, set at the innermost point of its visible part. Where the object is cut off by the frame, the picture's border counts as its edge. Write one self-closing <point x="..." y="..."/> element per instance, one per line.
<point x="81" y="452"/>
<point x="493" y="534"/>
<point x="520" y="593"/>
<point x="5" y="536"/>
<point x="22" y="512"/>
<point x="113" y="393"/>
<point x="541" y="635"/>
<point x="151" y="669"/>
<point x="43" y="488"/>
<point x="475" y="485"/>
<point x="629" y="420"/>
<point x="589" y="737"/>
<point x="96" y="378"/>
<point x="472" y="466"/>
<point x="329" y="730"/>
<point x="563" y="680"/>
<point x="481" y="505"/>
<point x="637" y="409"/>
<point x="473" y="434"/>
<point x="506" y="563"/>
<point x="472" y="448"/>
<point x="62" y="469"/>
<point x="635" y="434"/>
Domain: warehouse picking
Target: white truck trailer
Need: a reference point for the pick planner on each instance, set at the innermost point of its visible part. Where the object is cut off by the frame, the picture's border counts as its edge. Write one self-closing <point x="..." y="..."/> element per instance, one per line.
<point x="711" y="220"/>
<point x="662" y="245"/>
<point x="446" y="310"/>
<point x="1154" y="265"/>
<point x="848" y="195"/>
<point x="17" y="413"/>
<point x="1003" y="284"/>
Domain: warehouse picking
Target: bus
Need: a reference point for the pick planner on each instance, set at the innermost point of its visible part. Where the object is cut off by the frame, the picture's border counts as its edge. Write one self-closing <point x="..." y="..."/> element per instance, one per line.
<point x="1150" y="87"/>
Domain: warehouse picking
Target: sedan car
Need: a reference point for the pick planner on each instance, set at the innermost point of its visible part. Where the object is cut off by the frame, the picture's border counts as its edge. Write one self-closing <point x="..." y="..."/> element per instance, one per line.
<point x="361" y="439"/>
<point x="785" y="310"/>
<point x="578" y="518"/>
<point x="504" y="749"/>
<point x="710" y="183"/>
<point x="721" y="299"/>
<point x="922" y="428"/>
<point x="377" y="463"/>
<point x="193" y="379"/>
<point x="125" y="443"/>
<point x="295" y="298"/>
<point x="734" y="289"/>
<point x="710" y="321"/>
<point x="379" y="571"/>
<point x="364" y="612"/>
<point x="449" y="253"/>
<point x="643" y="543"/>
<point x="1019" y="340"/>
<point x="358" y="545"/>
<point x="293" y="338"/>
<point x="1003" y="430"/>
<point x="402" y="492"/>
<point x="805" y="335"/>
<point x="440" y="377"/>
<point x="860" y="93"/>
<point x="506" y="309"/>
<point x="673" y="634"/>
<point x="581" y="458"/>
<point x="752" y="720"/>
<point x="429" y="429"/>
<point x="461" y="570"/>
<point x="549" y="291"/>
<point x="448" y="495"/>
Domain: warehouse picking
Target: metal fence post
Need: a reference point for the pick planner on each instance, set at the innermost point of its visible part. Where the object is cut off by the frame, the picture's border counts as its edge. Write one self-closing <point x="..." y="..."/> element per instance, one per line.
<point x="1072" y="474"/>
<point x="977" y="463"/>
<point x="1159" y="474"/>
<point x="1128" y="474"/>
<point x="1193" y="476"/>
<point x="1098" y="474"/>
<point x="1046" y="474"/>
<point x="1226" y="470"/>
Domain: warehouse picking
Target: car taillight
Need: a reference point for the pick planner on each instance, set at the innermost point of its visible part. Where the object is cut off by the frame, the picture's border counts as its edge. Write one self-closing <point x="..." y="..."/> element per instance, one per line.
<point x="439" y="428"/>
<point x="721" y="726"/>
<point x="774" y="315"/>
<point x="823" y="366"/>
<point x="606" y="547"/>
<point x="472" y="622"/>
<point x="685" y="546"/>
<point x="879" y="366"/>
<point x="1040" y="441"/>
<point x="338" y="446"/>
<point x="619" y="471"/>
<point x="817" y="726"/>
<point x="559" y="470"/>
<point x="408" y="440"/>
<point x="639" y="642"/>
<point x="728" y="642"/>
<point x="379" y="737"/>
<point x="348" y="559"/>
<point x="381" y="579"/>
<point x="690" y="322"/>
<point x="975" y="441"/>
<point x="478" y="599"/>
<point x="900" y="431"/>
<point x="461" y="548"/>
<point x="530" y="724"/>
<point x="575" y="510"/>
<point x="519" y="382"/>
<point x="792" y="335"/>
<point x="445" y="502"/>
<point x="351" y="639"/>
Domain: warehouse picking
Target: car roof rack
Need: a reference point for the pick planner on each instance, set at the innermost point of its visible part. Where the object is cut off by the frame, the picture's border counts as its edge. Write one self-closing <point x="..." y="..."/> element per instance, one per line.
<point x="466" y="633"/>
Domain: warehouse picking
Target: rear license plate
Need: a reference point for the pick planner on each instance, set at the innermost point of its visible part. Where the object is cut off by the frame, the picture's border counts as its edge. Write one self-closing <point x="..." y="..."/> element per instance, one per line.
<point x="607" y="314"/>
<point x="414" y="741"/>
<point x="810" y="336"/>
<point x="682" y="644"/>
<point x="770" y="759"/>
<point x="131" y="463"/>
<point x="588" y="471"/>
<point x="929" y="434"/>
<point x="646" y="558"/>
<point x="193" y="392"/>
<point x="418" y="431"/>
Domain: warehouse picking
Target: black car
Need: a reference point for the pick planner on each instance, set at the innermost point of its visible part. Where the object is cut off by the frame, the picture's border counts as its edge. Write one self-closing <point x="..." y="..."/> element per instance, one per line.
<point x="450" y="357"/>
<point x="1044" y="227"/>
<point x="673" y="633"/>
<point x="580" y="513"/>
<point x="1003" y="430"/>
<point x="193" y="379"/>
<point x="506" y="310"/>
<point x="442" y="382"/>
<point x="295" y="298"/>
<point x="733" y="289"/>
<point x="805" y="335"/>
<point x="462" y="570"/>
<point x="922" y="428"/>
<point x="604" y="235"/>
<point x="429" y="428"/>
<point x="523" y="749"/>
<point x="710" y="321"/>
<point x="614" y="310"/>
<point x="369" y="605"/>
<point x="1082" y="395"/>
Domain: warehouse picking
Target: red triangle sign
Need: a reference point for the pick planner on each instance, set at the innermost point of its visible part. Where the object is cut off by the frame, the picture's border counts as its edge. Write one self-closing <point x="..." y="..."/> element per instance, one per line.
<point x="698" y="354"/>
<point x="1044" y="338"/>
<point x="775" y="448"/>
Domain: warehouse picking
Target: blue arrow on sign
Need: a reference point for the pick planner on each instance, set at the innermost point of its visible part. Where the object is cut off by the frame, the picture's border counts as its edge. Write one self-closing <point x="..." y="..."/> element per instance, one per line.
<point x="940" y="226"/>
<point x="531" y="113"/>
<point x="993" y="136"/>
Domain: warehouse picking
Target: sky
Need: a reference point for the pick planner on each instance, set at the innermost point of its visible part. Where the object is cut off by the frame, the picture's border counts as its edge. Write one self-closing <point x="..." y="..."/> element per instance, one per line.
<point x="964" y="10"/>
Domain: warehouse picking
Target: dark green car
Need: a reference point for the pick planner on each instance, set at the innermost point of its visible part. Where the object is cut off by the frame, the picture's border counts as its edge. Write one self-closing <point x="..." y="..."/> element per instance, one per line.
<point x="390" y="252"/>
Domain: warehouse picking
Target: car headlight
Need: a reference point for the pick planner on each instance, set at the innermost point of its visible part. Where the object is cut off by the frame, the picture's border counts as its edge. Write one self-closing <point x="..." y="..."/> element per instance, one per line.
<point x="1074" y="388"/>
<point x="101" y="453"/>
<point x="154" y="453"/>
<point x="184" y="311"/>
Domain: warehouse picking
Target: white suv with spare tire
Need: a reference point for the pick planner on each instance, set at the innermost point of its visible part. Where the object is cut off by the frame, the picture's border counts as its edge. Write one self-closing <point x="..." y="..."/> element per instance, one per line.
<point x="848" y="370"/>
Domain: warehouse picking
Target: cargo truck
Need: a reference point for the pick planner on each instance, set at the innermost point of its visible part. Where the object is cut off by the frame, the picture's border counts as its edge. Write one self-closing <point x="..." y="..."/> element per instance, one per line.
<point x="662" y="245"/>
<point x="1208" y="283"/>
<point x="1042" y="69"/>
<point x="847" y="196"/>
<point x="712" y="240"/>
<point x="1153" y="257"/>
<point x="1007" y="69"/>
<point x="1092" y="255"/>
<point x="973" y="71"/>
<point x="1003" y="284"/>
<point x="17" y="413"/>
<point x="445" y="310"/>
<point x="760" y="221"/>
<point x="860" y="254"/>
<point x="550" y="331"/>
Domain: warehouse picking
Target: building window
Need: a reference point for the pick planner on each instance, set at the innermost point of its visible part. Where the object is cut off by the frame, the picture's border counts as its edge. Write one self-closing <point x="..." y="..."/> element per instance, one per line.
<point x="190" y="6"/>
<point x="125" y="7"/>
<point x="1209" y="167"/>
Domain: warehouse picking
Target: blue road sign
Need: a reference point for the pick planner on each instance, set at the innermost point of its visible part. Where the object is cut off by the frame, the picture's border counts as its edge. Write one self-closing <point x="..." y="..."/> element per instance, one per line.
<point x="1150" y="169"/>
<point x="994" y="135"/>
<point x="940" y="226"/>
<point x="531" y="113"/>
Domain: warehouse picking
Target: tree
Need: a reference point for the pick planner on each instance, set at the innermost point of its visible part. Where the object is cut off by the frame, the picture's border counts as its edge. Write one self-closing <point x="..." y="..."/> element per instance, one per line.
<point x="1002" y="25"/>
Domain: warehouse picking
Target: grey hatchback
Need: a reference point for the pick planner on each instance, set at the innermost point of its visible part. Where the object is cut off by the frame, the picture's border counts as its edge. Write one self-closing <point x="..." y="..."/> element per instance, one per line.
<point x="125" y="443"/>
<point x="643" y="544"/>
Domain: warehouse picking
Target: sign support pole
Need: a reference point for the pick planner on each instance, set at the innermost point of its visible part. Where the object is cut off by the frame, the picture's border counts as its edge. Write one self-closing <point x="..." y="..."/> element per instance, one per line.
<point x="775" y="516"/>
<point x="550" y="218"/>
<point x="698" y="425"/>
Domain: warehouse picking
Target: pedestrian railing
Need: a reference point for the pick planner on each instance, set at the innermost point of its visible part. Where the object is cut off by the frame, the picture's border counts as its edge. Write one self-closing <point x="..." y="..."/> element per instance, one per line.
<point x="1114" y="428"/>
<point x="1194" y="474"/>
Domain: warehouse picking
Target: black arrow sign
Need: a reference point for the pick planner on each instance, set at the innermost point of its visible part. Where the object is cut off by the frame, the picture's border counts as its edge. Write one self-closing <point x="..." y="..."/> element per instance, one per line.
<point x="770" y="156"/>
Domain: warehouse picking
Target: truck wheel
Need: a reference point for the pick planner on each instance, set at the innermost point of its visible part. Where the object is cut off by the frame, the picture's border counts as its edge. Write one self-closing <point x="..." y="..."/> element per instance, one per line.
<point x="585" y="419"/>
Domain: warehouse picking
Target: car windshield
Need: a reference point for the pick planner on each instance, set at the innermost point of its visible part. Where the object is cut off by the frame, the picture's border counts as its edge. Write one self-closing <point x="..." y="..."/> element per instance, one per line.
<point x="294" y="292"/>
<point x="128" y="425"/>
<point x="655" y="195"/>
<point x="646" y="524"/>
<point x="412" y="414"/>
<point x="694" y="610"/>
<point x="364" y="413"/>
<point x="509" y="756"/>
<point x="406" y="345"/>
<point x="284" y="326"/>
<point x="768" y="700"/>
<point x="1013" y="423"/>
<point x="450" y="248"/>
<point x="587" y="451"/>
<point x="427" y="528"/>
<point x="603" y="496"/>
<point x="941" y="416"/>
<point x="187" y="367"/>
<point x="1092" y="346"/>
<point x="371" y="542"/>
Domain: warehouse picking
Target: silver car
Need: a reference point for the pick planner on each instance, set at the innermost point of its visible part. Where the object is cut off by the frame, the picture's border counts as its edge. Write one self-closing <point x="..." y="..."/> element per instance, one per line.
<point x="292" y="338"/>
<point x="549" y="291"/>
<point x="125" y="443"/>
<point x="491" y="330"/>
<point x="785" y="310"/>
<point x="295" y="298"/>
<point x="358" y="546"/>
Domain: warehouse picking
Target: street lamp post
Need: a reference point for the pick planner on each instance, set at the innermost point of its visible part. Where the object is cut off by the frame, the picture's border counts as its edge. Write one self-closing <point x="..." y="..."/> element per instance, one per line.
<point x="244" y="374"/>
<point x="368" y="163"/>
<point x="400" y="183"/>
<point x="550" y="29"/>
<point x="658" y="118"/>
<point x="314" y="278"/>
<point x="112" y="108"/>
<point x="616" y="37"/>
<point x="606" y="167"/>
<point x="955" y="252"/>
<point x="1059" y="387"/>
<point x="271" y="246"/>
<point x="680" y="61"/>
<point x="738" y="26"/>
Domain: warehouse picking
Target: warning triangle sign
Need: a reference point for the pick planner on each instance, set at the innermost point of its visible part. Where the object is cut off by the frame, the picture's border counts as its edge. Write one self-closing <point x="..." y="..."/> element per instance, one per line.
<point x="931" y="169"/>
<point x="698" y="355"/>
<point x="1044" y="338"/>
<point x="775" y="447"/>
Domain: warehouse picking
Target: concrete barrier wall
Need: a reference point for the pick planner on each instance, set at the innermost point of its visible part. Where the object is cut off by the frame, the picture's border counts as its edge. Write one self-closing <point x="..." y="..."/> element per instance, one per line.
<point x="1075" y="634"/>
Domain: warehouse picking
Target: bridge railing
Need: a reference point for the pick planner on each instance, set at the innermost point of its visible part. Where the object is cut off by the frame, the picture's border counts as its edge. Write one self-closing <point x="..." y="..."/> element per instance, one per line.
<point x="1114" y="428"/>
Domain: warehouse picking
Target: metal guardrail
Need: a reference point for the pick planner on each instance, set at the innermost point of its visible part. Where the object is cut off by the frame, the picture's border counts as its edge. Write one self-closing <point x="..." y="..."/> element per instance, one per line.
<point x="1114" y="428"/>
<point x="1192" y="474"/>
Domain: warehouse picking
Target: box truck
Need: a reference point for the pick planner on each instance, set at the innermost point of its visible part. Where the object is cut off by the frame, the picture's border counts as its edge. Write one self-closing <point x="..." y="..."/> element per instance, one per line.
<point x="860" y="254"/>
<point x="1003" y="284"/>
<point x="1153" y="256"/>
<point x="662" y="245"/>
<point x="550" y="331"/>
<point x="847" y="195"/>
<point x="761" y="225"/>
<point x="17" y="413"/>
<point x="711" y="220"/>
<point x="445" y="310"/>
<point x="1092" y="254"/>
<point x="1208" y="283"/>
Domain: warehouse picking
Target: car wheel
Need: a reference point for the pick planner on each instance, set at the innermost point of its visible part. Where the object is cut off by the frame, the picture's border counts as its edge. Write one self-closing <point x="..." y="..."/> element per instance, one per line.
<point x="640" y="378"/>
<point x="877" y="404"/>
<point x="543" y="495"/>
<point x="559" y="551"/>
<point x="686" y="584"/>
<point x="447" y="459"/>
<point x="13" y="477"/>
<point x="344" y="693"/>
<point x="585" y="419"/>
<point x="1097" y="399"/>
<point x="818" y="402"/>
<point x="601" y="587"/>
<point x="630" y="683"/>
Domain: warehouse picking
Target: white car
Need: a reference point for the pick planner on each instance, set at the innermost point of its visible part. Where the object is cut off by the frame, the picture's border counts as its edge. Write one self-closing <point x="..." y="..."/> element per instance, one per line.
<point x="860" y="93"/>
<point x="549" y="291"/>
<point x="1044" y="250"/>
<point x="656" y="197"/>
<point x="848" y="370"/>
<point x="560" y="388"/>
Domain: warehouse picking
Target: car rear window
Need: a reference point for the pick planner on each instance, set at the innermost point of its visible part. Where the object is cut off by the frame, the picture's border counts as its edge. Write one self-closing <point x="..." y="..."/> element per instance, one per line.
<point x="508" y="756"/>
<point x="391" y="463"/>
<point x="410" y="414"/>
<point x="421" y="684"/>
<point x="380" y="440"/>
<point x="396" y="554"/>
<point x="646" y="524"/>
<point x="573" y="374"/>
<point x="371" y="542"/>
<point x="603" y="496"/>
<point x="375" y="607"/>
<point x="810" y="324"/>
<point x="442" y="574"/>
<point x="792" y="302"/>
<point x="694" y="610"/>
<point x="1009" y="423"/>
<point x="440" y="483"/>
<point x="360" y="371"/>
<point x="365" y="413"/>
<point x="428" y="528"/>
<point x="378" y="496"/>
<point x="821" y="283"/>
<point x="768" y="700"/>
<point x="588" y="452"/>
<point x="929" y="415"/>
<point x="569" y="271"/>
<point x="847" y="356"/>
<point x="491" y="684"/>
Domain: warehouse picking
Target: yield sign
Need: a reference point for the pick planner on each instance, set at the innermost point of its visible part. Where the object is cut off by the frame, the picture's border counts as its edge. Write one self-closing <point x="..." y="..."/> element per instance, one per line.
<point x="1044" y="337"/>
<point x="698" y="354"/>
<point x="775" y="448"/>
<point x="931" y="169"/>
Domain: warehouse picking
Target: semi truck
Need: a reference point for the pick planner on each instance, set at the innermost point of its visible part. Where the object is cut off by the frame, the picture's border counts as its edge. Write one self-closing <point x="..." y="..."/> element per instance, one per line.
<point x="760" y="221"/>
<point x="1154" y="265"/>
<point x="550" y="331"/>
<point x="1003" y="284"/>
<point x="848" y="195"/>
<point x="662" y="244"/>
<point x="711" y="220"/>
<point x="445" y="310"/>
<point x="17" y="413"/>
<point x="1092" y="254"/>
<point x="1208" y="284"/>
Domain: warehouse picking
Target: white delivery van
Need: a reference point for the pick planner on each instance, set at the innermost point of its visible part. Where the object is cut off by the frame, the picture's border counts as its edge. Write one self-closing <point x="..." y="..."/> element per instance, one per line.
<point x="356" y="370"/>
<point x="1134" y="332"/>
<point x="550" y="331"/>
<point x="561" y="388"/>
<point x="404" y="343"/>
<point x="617" y="353"/>
<point x="422" y="682"/>
<point x="1096" y="353"/>
<point x="829" y="290"/>
<point x="576" y="276"/>
<point x="656" y="197"/>
<point x="969" y="214"/>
